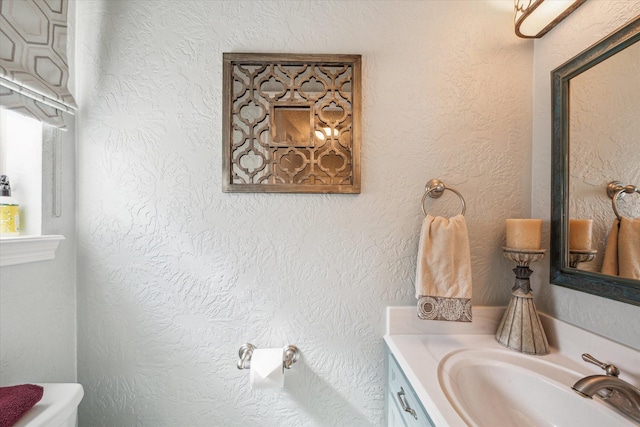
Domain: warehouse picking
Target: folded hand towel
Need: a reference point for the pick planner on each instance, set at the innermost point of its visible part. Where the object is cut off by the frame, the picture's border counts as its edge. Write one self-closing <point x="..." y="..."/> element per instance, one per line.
<point x="443" y="273"/>
<point x="16" y="400"/>
<point x="610" y="260"/>
<point x="622" y="252"/>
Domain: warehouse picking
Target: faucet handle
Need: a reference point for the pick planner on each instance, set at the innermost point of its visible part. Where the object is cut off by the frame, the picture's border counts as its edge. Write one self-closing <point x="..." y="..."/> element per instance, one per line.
<point x="610" y="369"/>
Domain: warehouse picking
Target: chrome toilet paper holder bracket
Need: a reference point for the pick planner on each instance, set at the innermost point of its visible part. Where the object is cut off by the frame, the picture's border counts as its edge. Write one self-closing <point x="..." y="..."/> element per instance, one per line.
<point x="290" y="355"/>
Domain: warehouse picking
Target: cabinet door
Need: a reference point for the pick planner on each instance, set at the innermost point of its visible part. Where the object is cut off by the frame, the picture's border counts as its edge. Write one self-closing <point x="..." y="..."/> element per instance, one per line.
<point x="394" y="416"/>
<point x="403" y="398"/>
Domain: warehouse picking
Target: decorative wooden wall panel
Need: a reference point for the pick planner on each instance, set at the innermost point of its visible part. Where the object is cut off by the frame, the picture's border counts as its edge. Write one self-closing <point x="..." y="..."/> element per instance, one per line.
<point x="291" y="123"/>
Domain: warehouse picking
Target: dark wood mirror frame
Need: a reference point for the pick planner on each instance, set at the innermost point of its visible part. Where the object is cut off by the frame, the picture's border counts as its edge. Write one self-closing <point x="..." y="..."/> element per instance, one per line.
<point x="612" y="287"/>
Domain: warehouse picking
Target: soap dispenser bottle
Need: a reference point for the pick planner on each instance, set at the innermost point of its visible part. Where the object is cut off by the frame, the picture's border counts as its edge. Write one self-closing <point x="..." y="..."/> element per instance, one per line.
<point x="9" y="210"/>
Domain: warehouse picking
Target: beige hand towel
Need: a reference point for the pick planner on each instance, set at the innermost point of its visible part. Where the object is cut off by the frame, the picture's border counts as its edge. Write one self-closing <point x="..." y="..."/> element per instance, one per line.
<point x="443" y="273"/>
<point x="622" y="253"/>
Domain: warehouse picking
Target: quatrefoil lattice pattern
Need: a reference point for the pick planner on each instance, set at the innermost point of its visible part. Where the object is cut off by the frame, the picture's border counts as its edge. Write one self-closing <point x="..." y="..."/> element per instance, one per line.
<point x="291" y="123"/>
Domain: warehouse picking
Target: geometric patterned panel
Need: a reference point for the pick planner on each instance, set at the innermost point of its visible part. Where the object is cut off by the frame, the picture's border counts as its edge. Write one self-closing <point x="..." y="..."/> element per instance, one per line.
<point x="29" y="107"/>
<point x="291" y="123"/>
<point x="33" y="57"/>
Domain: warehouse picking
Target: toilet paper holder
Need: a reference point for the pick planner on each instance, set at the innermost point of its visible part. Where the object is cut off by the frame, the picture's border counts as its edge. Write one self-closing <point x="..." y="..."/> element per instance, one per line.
<point x="290" y="355"/>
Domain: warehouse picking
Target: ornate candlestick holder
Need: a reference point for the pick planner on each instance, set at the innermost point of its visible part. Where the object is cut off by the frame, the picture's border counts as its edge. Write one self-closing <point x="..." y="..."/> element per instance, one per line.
<point x="577" y="257"/>
<point x="520" y="328"/>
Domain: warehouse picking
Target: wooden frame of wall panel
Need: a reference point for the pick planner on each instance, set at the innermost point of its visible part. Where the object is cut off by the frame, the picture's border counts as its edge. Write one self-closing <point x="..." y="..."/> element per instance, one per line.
<point x="267" y="184"/>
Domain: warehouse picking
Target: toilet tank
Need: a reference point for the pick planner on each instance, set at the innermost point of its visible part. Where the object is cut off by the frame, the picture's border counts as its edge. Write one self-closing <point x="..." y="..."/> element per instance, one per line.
<point x="57" y="408"/>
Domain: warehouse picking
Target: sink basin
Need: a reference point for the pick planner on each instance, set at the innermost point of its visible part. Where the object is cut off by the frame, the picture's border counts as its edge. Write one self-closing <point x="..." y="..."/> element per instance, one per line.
<point x="494" y="387"/>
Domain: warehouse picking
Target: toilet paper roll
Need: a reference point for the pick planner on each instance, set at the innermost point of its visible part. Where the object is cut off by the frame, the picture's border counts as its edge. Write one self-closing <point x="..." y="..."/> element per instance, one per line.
<point x="267" y="370"/>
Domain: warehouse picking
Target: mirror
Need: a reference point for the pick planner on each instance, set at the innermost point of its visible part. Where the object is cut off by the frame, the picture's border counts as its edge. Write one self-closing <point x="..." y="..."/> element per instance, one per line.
<point x="595" y="104"/>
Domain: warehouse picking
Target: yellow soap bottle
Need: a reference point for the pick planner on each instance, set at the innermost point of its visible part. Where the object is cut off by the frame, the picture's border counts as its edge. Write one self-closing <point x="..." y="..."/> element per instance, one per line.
<point x="9" y="210"/>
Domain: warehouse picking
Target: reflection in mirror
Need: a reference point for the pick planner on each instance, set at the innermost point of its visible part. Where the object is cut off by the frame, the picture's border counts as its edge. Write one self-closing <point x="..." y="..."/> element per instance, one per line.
<point x="604" y="135"/>
<point x="596" y="135"/>
<point x="292" y="126"/>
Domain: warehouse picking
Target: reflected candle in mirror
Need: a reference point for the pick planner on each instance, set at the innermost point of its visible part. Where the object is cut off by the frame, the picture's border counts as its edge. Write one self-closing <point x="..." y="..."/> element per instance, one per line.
<point x="524" y="233"/>
<point x="580" y="234"/>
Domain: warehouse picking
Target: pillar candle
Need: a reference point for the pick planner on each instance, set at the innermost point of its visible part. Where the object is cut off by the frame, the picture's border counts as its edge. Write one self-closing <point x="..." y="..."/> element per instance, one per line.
<point x="524" y="233"/>
<point x="580" y="234"/>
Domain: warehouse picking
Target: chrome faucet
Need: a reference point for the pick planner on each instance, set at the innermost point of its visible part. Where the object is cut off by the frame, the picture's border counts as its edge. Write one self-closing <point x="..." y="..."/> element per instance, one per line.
<point x="618" y="393"/>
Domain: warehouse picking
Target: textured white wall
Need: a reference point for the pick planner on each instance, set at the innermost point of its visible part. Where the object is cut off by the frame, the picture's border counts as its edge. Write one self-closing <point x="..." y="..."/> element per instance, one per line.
<point x="175" y="275"/>
<point x="38" y="300"/>
<point x="588" y="24"/>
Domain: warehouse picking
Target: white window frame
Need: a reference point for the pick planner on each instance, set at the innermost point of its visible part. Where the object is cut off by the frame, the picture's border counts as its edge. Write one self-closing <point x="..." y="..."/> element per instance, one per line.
<point x="21" y="159"/>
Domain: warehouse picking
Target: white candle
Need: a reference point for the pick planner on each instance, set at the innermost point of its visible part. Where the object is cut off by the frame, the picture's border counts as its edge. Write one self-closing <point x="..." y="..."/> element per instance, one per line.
<point x="580" y="234"/>
<point x="524" y="233"/>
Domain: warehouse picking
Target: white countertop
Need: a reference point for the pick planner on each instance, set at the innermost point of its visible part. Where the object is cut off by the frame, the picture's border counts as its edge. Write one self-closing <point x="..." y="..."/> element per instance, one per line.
<point x="420" y="345"/>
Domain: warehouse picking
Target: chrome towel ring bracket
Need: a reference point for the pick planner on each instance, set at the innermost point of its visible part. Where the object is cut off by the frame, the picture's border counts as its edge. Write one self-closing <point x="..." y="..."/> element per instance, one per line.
<point x="434" y="189"/>
<point x="616" y="189"/>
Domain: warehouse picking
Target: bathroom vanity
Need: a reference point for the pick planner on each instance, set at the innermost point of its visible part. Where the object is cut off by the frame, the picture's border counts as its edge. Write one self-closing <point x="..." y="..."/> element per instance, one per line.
<point x="457" y="374"/>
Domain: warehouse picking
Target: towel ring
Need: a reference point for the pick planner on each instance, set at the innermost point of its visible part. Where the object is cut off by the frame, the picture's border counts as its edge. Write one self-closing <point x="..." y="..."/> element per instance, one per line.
<point x="434" y="189"/>
<point x="616" y="189"/>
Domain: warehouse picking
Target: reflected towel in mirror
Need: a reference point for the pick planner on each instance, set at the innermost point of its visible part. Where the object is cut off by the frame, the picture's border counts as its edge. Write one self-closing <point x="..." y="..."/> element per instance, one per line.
<point x="622" y="252"/>
<point x="443" y="271"/>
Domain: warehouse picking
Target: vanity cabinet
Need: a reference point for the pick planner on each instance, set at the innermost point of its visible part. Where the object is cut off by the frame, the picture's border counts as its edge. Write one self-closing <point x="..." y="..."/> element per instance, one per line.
<point x="403" y="406"/>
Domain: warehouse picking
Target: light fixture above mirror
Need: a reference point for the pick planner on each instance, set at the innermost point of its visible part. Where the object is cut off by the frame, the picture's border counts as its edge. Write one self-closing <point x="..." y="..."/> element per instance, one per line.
<point x="534" y="18"/>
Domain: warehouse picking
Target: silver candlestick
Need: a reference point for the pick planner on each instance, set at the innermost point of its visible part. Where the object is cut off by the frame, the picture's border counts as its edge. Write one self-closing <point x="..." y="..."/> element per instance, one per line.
<point x="520" y="328"/>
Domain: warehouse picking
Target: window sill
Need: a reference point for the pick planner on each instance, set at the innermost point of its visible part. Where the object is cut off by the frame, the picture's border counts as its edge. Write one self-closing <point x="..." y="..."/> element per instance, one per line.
<point x="25" y="249"/>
